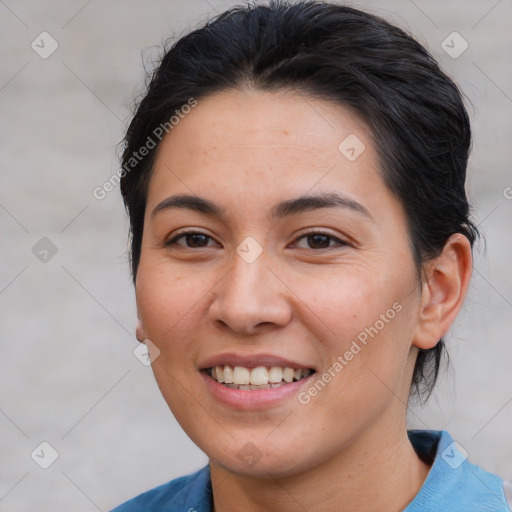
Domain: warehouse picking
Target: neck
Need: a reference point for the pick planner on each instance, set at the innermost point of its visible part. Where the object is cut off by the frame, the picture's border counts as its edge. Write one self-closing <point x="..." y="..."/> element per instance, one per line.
<point x="376" y="472"/>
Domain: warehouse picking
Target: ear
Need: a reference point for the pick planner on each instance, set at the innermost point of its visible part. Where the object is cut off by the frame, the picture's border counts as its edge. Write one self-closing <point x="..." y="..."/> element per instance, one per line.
<point x="443" y="290"/>
<point x="140" y="331"/>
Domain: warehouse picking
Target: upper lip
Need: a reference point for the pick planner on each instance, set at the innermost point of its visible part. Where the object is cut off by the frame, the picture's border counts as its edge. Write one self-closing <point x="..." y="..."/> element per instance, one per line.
<point x="250" y="361"/>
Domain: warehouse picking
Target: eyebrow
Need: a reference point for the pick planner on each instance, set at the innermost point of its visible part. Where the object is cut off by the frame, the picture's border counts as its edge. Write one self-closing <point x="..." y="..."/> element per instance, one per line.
<point x="282" y="209"/>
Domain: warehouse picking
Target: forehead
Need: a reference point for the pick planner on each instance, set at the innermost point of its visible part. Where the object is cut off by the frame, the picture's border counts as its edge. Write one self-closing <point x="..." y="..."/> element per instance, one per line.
<point x="268" y="144"/>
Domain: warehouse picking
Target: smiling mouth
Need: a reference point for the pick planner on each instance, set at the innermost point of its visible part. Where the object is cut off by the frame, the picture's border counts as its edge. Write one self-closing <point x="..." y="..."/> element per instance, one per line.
<point x="261" y="377"/>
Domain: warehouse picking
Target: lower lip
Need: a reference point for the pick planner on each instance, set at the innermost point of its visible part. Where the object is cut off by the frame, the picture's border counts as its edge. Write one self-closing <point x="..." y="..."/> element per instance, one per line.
<point x="252" y="399"/>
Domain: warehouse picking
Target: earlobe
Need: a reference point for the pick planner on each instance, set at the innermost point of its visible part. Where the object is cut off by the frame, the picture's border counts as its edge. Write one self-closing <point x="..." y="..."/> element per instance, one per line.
<point x="445" y="286"/>
<point x="139" y="331"/>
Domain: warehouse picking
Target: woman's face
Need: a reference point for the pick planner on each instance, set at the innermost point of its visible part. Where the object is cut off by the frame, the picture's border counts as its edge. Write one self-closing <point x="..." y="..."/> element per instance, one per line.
<point x="301" y="259"/>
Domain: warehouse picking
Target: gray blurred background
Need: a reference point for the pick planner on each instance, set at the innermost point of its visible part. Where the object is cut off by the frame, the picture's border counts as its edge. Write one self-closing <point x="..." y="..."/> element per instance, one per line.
<point x="68" y="375"/>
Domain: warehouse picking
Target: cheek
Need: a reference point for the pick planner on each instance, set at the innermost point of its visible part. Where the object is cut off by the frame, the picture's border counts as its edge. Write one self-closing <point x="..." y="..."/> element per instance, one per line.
<point x="347" y="302"/>
<point x="170" y="305"/>
<point x="364" y="321"/>
<point x="171" y="308"/>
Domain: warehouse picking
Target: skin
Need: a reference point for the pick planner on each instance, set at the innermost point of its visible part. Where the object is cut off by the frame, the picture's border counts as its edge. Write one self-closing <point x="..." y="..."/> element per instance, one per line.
<point x="347" y="448"/>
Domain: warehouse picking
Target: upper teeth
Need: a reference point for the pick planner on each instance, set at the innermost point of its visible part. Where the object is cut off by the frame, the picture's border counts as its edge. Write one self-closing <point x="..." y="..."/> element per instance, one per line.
<point x="260" y="375"/>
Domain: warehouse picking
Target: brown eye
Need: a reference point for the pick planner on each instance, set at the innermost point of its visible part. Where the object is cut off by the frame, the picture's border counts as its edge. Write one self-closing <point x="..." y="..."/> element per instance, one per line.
<point x="193" y="239"/>
<point x="196" y="240"/>
<point x="319" y="240"/>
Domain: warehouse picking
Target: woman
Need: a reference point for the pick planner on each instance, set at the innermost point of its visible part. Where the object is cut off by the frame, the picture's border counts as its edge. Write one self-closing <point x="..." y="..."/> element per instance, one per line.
<point x="301" y="243"/>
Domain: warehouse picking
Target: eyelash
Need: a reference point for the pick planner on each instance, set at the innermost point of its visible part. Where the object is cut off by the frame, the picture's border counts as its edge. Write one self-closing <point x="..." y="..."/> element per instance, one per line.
<point x="341" y="243"/>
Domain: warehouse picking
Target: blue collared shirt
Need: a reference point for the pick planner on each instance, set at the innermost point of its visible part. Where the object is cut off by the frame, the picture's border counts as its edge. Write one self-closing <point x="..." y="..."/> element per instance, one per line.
<point x="453" y="484"/>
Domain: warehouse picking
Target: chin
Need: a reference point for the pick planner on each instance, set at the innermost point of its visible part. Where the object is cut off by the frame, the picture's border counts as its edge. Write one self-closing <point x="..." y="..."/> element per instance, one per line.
<point x="255" y="460"/>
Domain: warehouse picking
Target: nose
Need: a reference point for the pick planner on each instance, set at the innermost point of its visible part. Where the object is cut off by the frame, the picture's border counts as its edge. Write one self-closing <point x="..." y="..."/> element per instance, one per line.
<point x="251" y="297"/>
